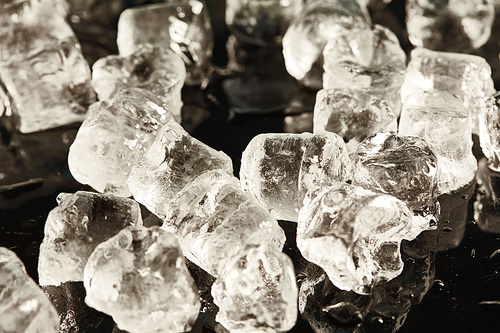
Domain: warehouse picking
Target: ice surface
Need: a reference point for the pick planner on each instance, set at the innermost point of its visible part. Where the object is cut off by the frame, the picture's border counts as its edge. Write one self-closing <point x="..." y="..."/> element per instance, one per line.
<point x="216" y="221"/>
<point x="442" y="121"/>
<point x="73" y="229"/>
<point x="279" y="169"/>
<point x="183" y="26"/>
<point x="403" y="166"/>
<point x="369" y="60"/>
<point x="258" y="294"/>
<point x="159" y="71"/>
<point x="308" y="34"/>
<point x="113" y="137"/>
<point x="352" y="114"/>
<point x="355" y="234"/>
<point x="41" y="65"/>
<point x="139" y="278"/>
<point x="449" y="25"/>
<point x="466" y="76"/>
<point x="489" y="132"/>
<point x="24" y="308"/>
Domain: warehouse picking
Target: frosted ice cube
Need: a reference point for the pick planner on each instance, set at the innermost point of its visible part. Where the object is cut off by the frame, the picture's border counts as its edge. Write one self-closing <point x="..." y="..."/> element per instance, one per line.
<point x="258" y="294"/>
<point x="355" y="234"/>
<point x="352" y="114"/>
<point x="73" y="229"/>
<point x="183" y="26"/>
<point x="466" y="76"/>
<point x="41" y="66"/>
<point x="113" y="137"/>
<point x="173" y="160"/>
<point x="139" y="278"/>
<point x="442" y="121"/>
<point x="279" y="169"/>
<point x="159" y="71"/>
<point x="449" y="25"/>
<point x="489" y="132"/>
<point x="24" y="306"/>
<point x="369" y="60"/>
<point x="216" y="221"/>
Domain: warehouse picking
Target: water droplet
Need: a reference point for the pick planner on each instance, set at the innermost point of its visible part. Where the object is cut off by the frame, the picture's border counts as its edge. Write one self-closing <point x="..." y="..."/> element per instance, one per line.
<point x="473" y="253"/>
<point x="495" y="254"/>
<point x="438" y="283"/>
<point x="447" y="229"/>
<point x="377" y="320"/>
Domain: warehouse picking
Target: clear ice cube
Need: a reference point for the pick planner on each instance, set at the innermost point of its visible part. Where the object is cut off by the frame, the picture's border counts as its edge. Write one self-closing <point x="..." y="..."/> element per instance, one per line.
<point x="113" y="137"/>
<point x="159" y="71"/>
<point x="489" y="132"/>
<point x="442" y="121"/>
<point x="139" y="277"/>
<point x="82" y="221"/>
<point x="279" y="169"/>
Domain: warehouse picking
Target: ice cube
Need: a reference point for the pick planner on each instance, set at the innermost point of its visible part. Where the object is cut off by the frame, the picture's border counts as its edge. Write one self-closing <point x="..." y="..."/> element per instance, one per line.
<point x="41" y="66"/>
<point x="73" y="229"/>
<point x="369" y="60"/>
<point x="442" y="121"/>
<point x="113" y="137"/>
<point x="173" y="160"/>
<point x="449" y="25"/>
<point x="279" y="169"/>
<point x="216" y="221"/>
<point x="181" y="25"/>
<point x="489" y="132"/>
<point x="24" y="306"/>
<point x="159" y="71"/>
<point x="258" y="294"/>
<point x="355" y="234"/>
<point x="139" y="277"/>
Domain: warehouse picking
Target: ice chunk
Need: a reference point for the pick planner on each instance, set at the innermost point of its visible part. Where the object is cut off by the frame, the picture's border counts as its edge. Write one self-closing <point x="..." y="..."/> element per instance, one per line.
<point x="466" y="76"/>
<point x="113" y="137"/>
<point x="449" y="25"/>
<point x="73" y="229"/>
<point x="258" y="293"/>
<point x="489" y="132"/>
<point x="442" y="121"/>
<point x="403" y="166"/>
<point x="352" y="114"/>
<point x="183" y="25"/>
<point x="139" y="278"/>
<point x="159" y="71"/>
<point x="279" y="169"/>
<point x="308" y="34"/>
<point x="24" y="306"/>
<point x="355" y="234"/>
<point x="41" y="65"/>
<point x="216" y="221"/>
<point x="369" y="60"/>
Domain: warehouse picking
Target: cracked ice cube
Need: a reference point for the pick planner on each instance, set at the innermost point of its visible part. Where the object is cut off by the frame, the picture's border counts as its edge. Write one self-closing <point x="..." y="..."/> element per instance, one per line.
<point x="73" y="229"/>
<point x="159" y="71"/>
<point x="258" y="293"/>
<point x="139" y="277"/>
<point x="113" y="137"/>
<point x="279" y="169"/>
<point x="489" y="132"/>
<point x="24" y="306"/>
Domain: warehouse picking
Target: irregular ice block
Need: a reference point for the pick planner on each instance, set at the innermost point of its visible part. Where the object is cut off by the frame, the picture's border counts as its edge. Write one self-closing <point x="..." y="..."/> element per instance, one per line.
<point x="159" y="71"/>
<point x="24" y="306"/>
<point x="489" y="132"/>
<point x="41" y="65"/>
<point x="403" y="166"/>
<point x="352" y="114"/>
<point x="183" y="25"/>
<point x="279" y="169"/>
<point x="173" y="160"/>
<point x="139" y="278"/>
<point x="308" y="34"/>
<point x="369" y="60"/>
<point x="355" y="234"/>
<point x="442" y="121"/>
<point x="113" y="137"/>
<point x="466" y="76"/>
<point x="216" y="221"/>
<point x="73" y="229"/>
<point x="449" y="25"/>
<point x="258" y="293"/>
